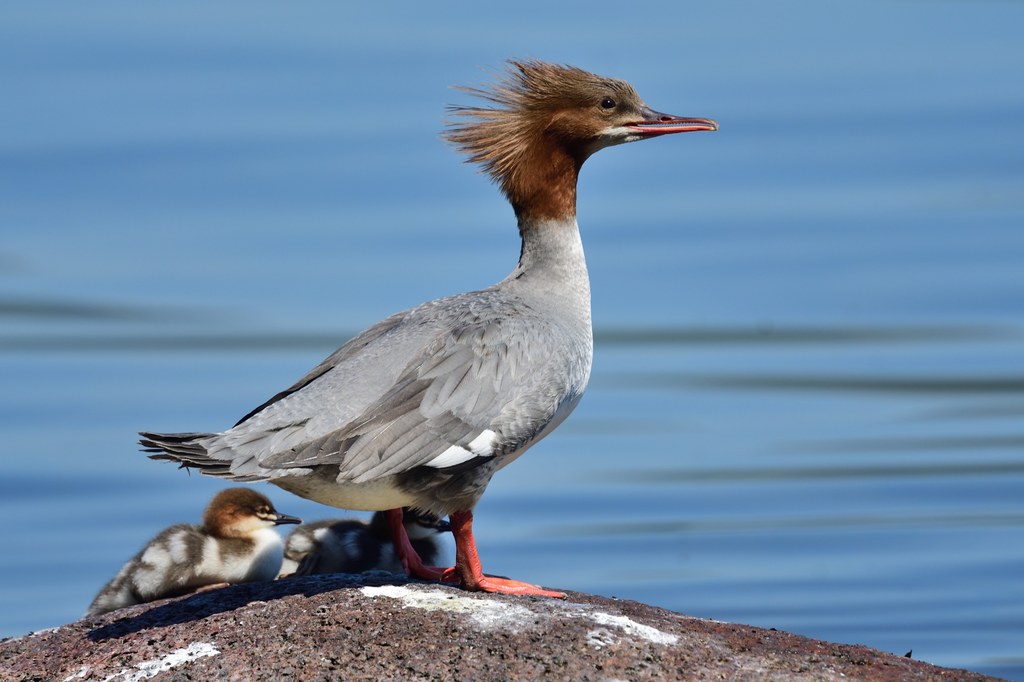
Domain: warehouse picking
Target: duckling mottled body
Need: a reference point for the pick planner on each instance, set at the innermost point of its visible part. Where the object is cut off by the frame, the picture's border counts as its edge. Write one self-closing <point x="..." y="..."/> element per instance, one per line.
<point x="235" y="544"/>
<point x="354" y="546"/>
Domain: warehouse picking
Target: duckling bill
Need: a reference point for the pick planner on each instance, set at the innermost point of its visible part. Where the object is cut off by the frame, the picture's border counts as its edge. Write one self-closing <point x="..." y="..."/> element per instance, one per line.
<point x="235" y="544"/>
<point x="424" y="407"/>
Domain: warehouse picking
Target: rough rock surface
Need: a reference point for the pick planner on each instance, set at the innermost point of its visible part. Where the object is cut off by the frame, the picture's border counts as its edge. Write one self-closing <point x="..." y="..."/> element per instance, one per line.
<point x="378" y="627"/>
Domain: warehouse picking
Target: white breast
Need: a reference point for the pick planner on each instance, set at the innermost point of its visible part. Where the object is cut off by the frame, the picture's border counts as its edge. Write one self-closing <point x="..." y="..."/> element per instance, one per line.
<point x="262" y="563"/>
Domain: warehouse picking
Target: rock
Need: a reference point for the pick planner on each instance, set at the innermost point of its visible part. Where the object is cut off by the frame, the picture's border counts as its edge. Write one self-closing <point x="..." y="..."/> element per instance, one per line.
<point x="380" y="627"/>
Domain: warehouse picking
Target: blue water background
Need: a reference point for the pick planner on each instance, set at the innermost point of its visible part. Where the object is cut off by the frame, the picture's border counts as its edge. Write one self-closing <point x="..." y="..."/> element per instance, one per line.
<point x="807" y="404"/>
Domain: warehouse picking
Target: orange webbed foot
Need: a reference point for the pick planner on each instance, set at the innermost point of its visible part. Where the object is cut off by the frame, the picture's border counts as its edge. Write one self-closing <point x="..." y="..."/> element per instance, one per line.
<point x="494" y="584"/>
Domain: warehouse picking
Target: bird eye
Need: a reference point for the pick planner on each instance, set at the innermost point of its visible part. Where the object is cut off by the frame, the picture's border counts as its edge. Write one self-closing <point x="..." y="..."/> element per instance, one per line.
<point x="607" y="103"/>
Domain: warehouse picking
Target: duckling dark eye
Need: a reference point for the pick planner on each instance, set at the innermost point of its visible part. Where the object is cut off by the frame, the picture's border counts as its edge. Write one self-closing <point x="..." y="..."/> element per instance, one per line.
<point x="607" y="103"/>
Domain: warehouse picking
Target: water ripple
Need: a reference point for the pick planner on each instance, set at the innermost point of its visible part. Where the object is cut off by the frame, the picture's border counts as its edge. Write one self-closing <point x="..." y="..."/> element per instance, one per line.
<point x="771" y="334"/>
<point x="68" y="309"/>
<point x="750" y="524"/>
<point x="178" y="342"/>
<point x="825" y="382"/>
<point x="930" y="444"/>
<point x="782" y="473"/>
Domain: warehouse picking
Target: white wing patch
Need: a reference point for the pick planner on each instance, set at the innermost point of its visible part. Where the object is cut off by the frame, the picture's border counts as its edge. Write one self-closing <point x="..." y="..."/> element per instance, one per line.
<point x="177" y="547"/>
<point x="481" y="446"/>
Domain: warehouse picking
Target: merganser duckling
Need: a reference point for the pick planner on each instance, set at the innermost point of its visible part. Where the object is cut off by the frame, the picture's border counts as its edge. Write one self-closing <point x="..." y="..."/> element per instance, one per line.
<point x="421" y="409"/>
<point x="235" y="544"/>
<point x="353" y="546"/>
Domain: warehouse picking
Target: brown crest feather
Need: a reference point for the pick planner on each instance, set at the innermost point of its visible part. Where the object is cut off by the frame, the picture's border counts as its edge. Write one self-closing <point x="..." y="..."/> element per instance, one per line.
<point x="519" y="139"/>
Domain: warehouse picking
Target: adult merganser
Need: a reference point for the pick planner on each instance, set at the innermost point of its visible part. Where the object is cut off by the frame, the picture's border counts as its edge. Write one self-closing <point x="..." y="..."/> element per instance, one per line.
<point x="421" y="409"/>
<point x="354" y="546"/>
<point x="235" y="544"/>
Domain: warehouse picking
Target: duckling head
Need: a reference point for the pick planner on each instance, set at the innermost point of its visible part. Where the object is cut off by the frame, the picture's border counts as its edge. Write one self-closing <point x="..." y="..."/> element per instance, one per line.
<point x="242" y="512"/>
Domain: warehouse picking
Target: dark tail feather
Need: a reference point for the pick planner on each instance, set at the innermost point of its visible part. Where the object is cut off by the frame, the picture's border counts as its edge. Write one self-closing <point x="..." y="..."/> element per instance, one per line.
<point x="184" y="444"/>
<point x="185" y="448"/>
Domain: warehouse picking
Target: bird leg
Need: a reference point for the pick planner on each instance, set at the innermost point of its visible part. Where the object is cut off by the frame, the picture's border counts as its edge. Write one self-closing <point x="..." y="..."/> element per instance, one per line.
<point x="210" y="587"/>
<point x="467" y="568"/>
<point x="407" y="554"/>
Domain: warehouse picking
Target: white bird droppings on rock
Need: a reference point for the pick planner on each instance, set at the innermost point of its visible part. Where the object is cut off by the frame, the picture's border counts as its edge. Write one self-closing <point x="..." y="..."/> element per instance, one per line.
<point x="600" y="638"/>
<point x="633" y="628"/>
<point x="178" y="657"/>
<point x="489" y="615"/>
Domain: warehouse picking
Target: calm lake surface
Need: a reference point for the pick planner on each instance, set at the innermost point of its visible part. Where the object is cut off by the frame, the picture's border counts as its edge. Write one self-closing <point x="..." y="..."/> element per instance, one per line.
<point x="807" y="404"/>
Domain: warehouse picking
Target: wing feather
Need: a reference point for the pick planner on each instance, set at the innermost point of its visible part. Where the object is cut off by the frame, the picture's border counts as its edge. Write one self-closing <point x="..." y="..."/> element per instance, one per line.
<point x="447" y="396"/>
